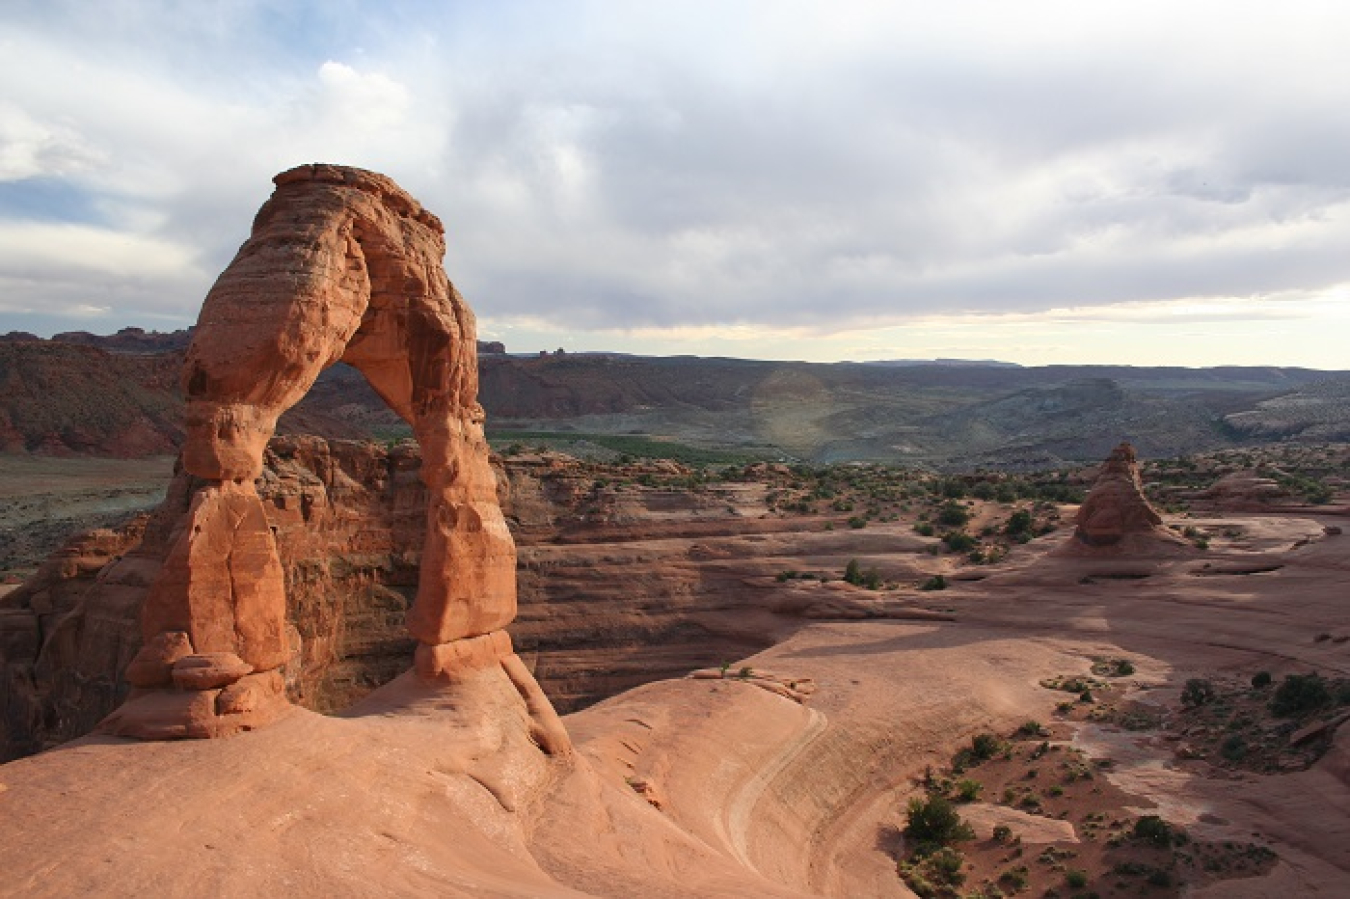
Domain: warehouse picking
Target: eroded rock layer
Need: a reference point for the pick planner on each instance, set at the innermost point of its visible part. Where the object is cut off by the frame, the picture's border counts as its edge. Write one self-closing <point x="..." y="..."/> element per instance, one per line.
<point x="618" y="587"/>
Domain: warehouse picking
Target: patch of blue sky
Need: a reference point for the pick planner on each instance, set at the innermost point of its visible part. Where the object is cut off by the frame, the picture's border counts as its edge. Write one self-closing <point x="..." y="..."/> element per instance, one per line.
<point x="49" y="199"/>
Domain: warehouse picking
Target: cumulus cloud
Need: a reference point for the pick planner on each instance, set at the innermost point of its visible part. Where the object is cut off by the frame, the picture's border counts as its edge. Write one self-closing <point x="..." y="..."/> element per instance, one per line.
<point x="681" y="168"/>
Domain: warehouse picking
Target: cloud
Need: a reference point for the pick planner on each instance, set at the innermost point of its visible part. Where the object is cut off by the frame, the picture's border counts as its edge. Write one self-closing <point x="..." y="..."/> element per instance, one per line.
<point x="611" y="168"/>
<point x="30" y="148"/>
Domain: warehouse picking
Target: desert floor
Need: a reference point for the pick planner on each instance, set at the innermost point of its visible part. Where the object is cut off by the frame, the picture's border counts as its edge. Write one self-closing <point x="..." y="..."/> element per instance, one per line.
<point x="715" y="787"/>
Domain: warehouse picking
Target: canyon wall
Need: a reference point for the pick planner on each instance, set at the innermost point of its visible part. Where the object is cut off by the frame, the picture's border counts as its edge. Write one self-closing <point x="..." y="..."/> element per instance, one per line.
<point x="616" y="588"/>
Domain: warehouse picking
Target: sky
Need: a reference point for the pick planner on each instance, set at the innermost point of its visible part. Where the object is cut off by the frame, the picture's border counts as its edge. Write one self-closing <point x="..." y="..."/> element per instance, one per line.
<point x="1037" y="182"/>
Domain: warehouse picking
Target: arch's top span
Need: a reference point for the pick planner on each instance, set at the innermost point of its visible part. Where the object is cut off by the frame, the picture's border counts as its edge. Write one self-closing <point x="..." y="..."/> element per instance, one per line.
<point x="342" y="264"/>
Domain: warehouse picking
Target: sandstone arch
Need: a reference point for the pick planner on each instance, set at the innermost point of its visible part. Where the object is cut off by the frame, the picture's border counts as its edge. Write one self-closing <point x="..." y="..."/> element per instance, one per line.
<point x="341" y="264"/>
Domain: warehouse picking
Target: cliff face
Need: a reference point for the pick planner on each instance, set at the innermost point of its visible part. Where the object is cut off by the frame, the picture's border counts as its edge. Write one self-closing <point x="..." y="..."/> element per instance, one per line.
<point x="62" y="399"/>
<point x="600" y="610"/>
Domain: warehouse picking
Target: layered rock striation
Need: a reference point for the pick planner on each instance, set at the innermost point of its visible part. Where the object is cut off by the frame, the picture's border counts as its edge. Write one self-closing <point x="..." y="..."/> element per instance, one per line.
<point x="342" y="265"/>
<point x="617" y="586"/>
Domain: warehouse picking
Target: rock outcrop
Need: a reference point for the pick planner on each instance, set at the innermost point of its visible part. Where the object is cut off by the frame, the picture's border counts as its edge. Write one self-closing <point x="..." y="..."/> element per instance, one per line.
<point x="1245" y="490"/>
<point x="1116" y="510"/>
<point x="617" y="585"/>
<point x="343" y="265"/>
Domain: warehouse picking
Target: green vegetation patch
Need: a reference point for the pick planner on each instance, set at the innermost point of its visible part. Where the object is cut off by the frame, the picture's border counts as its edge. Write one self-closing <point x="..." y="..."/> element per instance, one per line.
<point x="635" y="446"/>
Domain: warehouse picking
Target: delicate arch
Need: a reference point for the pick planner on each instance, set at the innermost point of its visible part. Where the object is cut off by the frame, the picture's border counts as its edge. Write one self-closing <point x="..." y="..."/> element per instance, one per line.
<point x="341" y="264"/>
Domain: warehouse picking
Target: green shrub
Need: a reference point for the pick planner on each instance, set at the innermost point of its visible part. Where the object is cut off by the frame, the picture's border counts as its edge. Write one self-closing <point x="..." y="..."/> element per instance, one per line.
<point x="947" y="863"/>
<point x="968" y="790"/>
<point x="936" y="582"/>
<point x="1234" y="748"/>
<point x="1299" y="694"/>
<point x="1075" y="878"/>
<point x="1197" y="692"/>
<point x="934" y="876"/>
<point x="958" y="541"/>
<point x="853" y="573"/>
<point x="953" y="515"/>
<point x="1002" y="833"/>
<point x="1261" y="679"/>
<point x="933" y="823"/>
<point x="1019" y="524"/>
<point x="1152" y="829"/>
<point x="1015" y="879"/>
<point x="985" y="746"/>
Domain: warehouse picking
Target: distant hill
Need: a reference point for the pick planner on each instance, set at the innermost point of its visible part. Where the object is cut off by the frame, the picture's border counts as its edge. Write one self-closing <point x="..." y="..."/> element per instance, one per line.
<point x="1319" y="411"/>
<point x="949" y="362"/>
<point x="118" y="395"/>
<point x="129" y="340"/>
<point x="64" y="398"/>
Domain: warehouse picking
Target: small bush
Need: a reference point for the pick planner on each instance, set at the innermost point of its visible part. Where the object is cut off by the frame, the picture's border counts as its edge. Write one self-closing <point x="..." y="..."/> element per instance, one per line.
<point x="1032" y="729"/>
<point x="953" y="515"/>
<point x="933" y="823"/>
<point x="853" y="573"/>
<point x="968" y="790"/>
<point x="947" y="864"/>
<point x="1197" y="692"/>
<point x="1299" y="694"/>
<point x="1019" y="523"/>
<point x="1075" y="878"/>
<point x="958" y="541"/>
<point x="936" y="582"/>
<point x="1234" y="748"/>
<point x="1152" y="829"/>
<point x="1015" y="879"/>
<point x="1113" y="667"/>
<point x="1002" y="833"/>
<point x="985" y="746"/>
<point x="1261" y="679"/>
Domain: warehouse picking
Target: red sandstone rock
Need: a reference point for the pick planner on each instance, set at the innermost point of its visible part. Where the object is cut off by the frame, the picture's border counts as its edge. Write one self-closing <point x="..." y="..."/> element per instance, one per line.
<point x="209" y="671"/>
<point x="222" y="583"/>
<point x="153" y="666"/>
<point x="1116" y="506"/>
<point x="341" y="265"/>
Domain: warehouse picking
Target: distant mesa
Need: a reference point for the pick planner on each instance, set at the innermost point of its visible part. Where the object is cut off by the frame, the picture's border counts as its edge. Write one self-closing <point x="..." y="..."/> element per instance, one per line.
<point x="137" y="340"/>
<point x="129" y="340"/>
<point x="951" y="363"/>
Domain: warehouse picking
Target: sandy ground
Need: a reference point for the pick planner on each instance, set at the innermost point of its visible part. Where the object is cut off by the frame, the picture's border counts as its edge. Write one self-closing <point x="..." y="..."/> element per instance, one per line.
<point x="707" y="788"/>
<point x="45" y="499"/>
